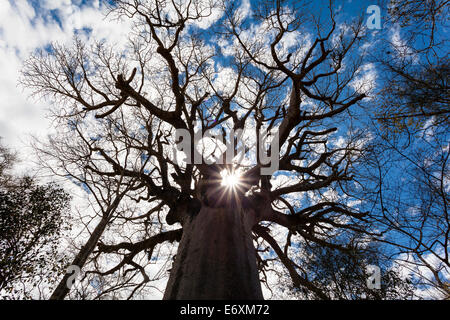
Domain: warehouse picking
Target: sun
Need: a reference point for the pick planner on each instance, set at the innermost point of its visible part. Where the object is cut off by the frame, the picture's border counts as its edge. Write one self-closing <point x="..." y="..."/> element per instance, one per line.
<point x="230" y="179"/>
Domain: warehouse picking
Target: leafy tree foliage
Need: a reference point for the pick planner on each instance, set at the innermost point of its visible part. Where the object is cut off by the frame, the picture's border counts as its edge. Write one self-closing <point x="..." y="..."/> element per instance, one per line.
<point x="7" y="158"/>
<point x="32" y="217"/>
<point x="345" y="275"/>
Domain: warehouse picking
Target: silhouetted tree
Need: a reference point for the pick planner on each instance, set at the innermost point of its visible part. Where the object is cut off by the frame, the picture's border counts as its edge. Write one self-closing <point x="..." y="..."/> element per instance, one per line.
<point x="118" y="111"/>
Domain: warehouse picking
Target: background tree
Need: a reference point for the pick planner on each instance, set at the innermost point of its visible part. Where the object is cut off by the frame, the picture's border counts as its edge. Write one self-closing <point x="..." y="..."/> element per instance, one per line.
<point x="32" y="218"/>
<point x="339" y="274"/>
<point x="427" y="18"/>
<point x="344" y="275"/>
<point x="105" y="202"/>
<point x="416" y="66"/>
<point x="412" y="155"/>
<point x="413" y="207"/>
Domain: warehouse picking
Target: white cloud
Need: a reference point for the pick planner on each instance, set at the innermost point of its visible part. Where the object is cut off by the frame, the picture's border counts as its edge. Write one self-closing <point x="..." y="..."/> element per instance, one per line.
<point x="22" y="30"/>
<point x="366" y="79"/>
<point x="410" y="267"/>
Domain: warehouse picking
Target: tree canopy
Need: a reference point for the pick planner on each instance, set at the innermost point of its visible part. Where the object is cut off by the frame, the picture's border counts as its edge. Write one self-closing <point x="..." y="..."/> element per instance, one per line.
<point x="299" y="76"/>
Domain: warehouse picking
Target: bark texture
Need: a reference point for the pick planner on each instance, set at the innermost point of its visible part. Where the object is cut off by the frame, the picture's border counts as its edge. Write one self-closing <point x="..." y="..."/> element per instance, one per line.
<point x="216" y="258"/>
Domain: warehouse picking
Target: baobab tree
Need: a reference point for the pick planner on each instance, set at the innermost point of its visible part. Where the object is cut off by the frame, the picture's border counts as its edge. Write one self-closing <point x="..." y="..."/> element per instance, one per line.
<point x="203" y="68"/>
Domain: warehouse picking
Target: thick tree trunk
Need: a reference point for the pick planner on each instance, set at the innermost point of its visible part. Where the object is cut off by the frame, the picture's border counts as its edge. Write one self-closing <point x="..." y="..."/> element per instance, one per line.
<point x="216" y="258"/>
